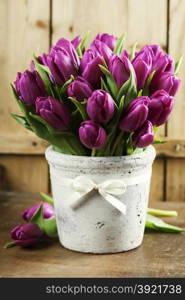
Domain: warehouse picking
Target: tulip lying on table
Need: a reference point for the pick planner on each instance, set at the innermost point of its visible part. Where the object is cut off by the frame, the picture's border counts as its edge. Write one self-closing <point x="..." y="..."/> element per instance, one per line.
<point x="41" y="224"/>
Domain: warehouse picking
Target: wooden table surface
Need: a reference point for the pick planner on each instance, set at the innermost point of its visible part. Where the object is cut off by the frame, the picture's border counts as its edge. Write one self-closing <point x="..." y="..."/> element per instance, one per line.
<point x="161" y="254"/>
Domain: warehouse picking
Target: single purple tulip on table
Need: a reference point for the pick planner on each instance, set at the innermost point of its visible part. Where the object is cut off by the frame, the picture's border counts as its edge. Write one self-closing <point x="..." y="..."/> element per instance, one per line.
<point x="48" y="211"/>
<point x="135" y="114"/>
<point x="165" y="81"/>
<point x="29" y="86"/>
<point x="143" y="136"/>
<point x="26" y="235"/>
<point x="53" y="111"/>
<point x="92" y="135"/>
<point x="120" y="69"/>
<point x="160" y="106"/>
<point x="80" y="89"/>
<point x="100" y="106"/>
<point x="108" y="39"/>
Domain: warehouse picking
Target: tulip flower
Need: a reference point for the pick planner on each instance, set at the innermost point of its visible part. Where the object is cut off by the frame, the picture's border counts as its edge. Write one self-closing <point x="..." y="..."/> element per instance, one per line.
<point x="120" y="69"/>
<point x="143" y="136"/>
<point x="100" y="106"/>
<point x="165" y="81"/>
<point x="101" y="49"/>
<point x="80" y="89"/>
<point x="90" y="67"/>
<point x="60" y="65"/>
<point x="53" y="111"/>
<point x="76" y="41"/>
<point x="108" y="39"/>
<point x="26" y="235"/>
<point x="47" y="209"/>
<point x="92" y="135"/>
<point x="29" y="86"/>
<point x="142" y="64"/>
<point x="135" y="114"/>
<point x="68" y="46"/>
<point x="160" y="106"/>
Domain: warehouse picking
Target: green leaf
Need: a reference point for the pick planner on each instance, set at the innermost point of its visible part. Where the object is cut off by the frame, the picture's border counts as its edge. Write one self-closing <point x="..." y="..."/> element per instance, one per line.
<point x="178" y="65"/>
<point x="159" y="141"/>
<point x="140" y="93"/>
<point x="119" y="45"/>
<point x="159" y="225"/>
<point x="162" y="212"/>
<point x="128" y="89"/>
<point x="44" y="76"/>
<point x="133" y="50"/>
<point x="22" y="120"/>
<point x="47" y="198"/>
<point x="111" y="84"/>
<point x="104" y="86"/>
<point x="80" y="107"/>
<point x="81" y="45"/>
<point x="37" y="218"/>
<point x="66" y="84"/>
<point x="147" y="85"/>
<point x="50" y="227"/>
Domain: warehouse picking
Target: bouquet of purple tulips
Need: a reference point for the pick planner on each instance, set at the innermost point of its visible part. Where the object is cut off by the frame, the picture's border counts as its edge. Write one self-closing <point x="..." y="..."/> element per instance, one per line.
<point x="102" y="101"/>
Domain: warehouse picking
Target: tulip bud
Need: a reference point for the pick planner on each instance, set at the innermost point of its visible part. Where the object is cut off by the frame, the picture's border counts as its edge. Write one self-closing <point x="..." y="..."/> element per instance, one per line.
<point x="142" y="64"/>
<point x="90" y="67"/>
<point x="76" y="41"/>
<point x="160" y="106"/>
<point x="80" y="89"/>
<point x="26" y="235"/>
<point x="143" y="136"/>
<point x="100" y="106"/>
<point x="135" y="114"/>
<point x="47" y="209"/>
<point x="108" y="39"/>
<point x="53" y="111"/>
<point x="120" y="69"/>
<point x="60" y="65"/>
<point x="68" y="46"/>
<point x="165" y="81"/>
<point x="29" y="86"/>
<point x="101" y="49"/>
<point x="92" y="135"/>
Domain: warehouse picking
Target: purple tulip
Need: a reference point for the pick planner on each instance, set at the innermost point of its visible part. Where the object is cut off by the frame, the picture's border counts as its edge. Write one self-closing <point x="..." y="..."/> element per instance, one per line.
<point x="92" y="135"/>
<point x="48" y="211"/>
<point x="90" y="67"/>
<point x="60" y="65"/>
<point x="26" y="235"/>
<point x="53" y="111"/>
<point x="165" y="81"/>
<point x="135" y="114"/>
<point x="100" y="106"/>
<point x="120" y="69"/>
<point x="160" y="106"/>
<point x="29" y="86"/>
<point x="108" y="39"/>
<point x="101" y="49"/>
<point x="68" y="46"/>
<point x="76" y="41"/>
<point x="142" y="64"/>
<point x="143" y="136"/>
<point x="80" y="89"/>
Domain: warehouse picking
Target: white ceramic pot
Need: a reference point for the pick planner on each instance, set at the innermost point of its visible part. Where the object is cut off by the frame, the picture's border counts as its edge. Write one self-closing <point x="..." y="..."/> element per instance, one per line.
<point x="95" y="225"/>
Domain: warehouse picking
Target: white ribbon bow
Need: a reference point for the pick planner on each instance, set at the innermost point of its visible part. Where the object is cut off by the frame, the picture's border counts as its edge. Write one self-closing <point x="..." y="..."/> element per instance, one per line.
<point x="107" y="189"/>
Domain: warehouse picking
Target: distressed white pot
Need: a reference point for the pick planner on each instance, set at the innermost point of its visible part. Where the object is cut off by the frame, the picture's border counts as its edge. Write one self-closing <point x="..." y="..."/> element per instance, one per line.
<point x="96" y="226"/>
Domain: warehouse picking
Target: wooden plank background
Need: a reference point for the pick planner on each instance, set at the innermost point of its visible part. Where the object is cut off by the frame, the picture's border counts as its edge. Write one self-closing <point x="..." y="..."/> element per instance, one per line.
<point x="30" y="26"/>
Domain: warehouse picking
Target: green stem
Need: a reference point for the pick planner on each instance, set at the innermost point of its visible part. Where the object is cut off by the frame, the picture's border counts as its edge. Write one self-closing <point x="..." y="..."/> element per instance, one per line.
<point x="93" y="153"/>
<point x="118" y="139"/>
<point x="161" y="212"/>
<point x="9" y="245"/>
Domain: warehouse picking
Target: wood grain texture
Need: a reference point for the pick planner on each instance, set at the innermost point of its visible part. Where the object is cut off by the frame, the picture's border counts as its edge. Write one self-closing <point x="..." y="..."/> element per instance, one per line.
<point x="157" y="182"/>
<point x="176" y="126"/>
<point x="161" y="254"/>
<point x="24" y="173"/>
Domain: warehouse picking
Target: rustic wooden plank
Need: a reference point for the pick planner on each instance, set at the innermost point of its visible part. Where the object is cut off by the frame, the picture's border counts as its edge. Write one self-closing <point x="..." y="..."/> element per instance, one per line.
<point x="157" y="257"/>
<point x="25" y="173"/>
<point x="157" y="182"/>
<point x="22" y="144"/>
<point x="176" y="126"/>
